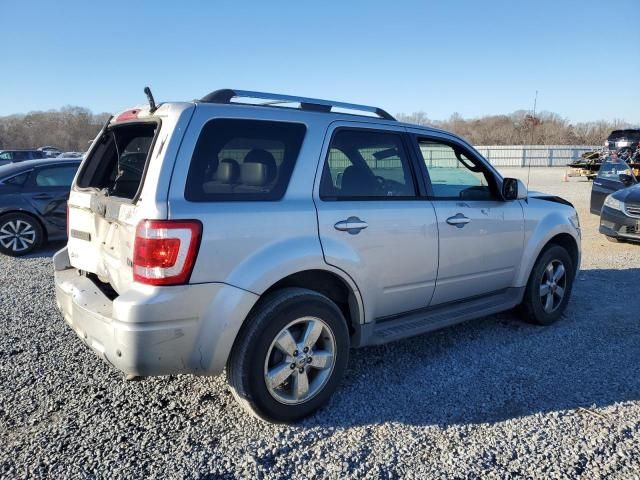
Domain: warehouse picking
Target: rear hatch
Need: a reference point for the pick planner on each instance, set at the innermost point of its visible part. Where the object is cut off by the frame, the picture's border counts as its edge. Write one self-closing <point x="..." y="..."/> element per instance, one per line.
<point x="104" y="199"/>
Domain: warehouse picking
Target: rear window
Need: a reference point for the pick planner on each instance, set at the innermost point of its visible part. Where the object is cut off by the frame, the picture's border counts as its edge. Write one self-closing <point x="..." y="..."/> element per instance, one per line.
<point x="238" y="160"/>
<point x="17" y="180"/>
<point x="118" y="162"/>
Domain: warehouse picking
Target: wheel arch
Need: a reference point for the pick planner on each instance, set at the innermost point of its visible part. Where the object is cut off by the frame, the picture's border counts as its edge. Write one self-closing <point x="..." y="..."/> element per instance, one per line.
<point x="45" y="233"/>
<point x="334" y="286"/>
<point x="562" y="237"/>
<point x="569" y="243"/>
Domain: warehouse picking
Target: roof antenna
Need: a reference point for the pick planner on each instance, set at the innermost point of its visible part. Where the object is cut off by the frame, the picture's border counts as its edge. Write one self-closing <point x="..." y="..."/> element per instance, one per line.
<point x="152" y="102"/>
<point x="533" y="126"/>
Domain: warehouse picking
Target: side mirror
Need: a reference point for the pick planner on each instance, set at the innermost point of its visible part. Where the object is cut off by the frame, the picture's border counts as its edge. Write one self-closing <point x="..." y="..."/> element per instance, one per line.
<point x="513" y="189"/>
<point x="626" y="179"/>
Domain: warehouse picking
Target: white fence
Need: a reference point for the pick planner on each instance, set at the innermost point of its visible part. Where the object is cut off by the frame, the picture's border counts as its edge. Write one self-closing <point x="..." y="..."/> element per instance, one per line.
<point x="534" y="155"/>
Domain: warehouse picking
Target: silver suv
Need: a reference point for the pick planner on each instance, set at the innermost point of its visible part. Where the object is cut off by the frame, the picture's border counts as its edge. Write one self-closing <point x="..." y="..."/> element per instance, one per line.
<point x="269" y="234"/>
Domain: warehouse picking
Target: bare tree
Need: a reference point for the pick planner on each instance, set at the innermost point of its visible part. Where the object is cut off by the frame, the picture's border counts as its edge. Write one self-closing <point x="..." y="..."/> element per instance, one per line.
<point x="70" y="128"/>
<point x="417" y="118"/>
<point x="520" y="128"/>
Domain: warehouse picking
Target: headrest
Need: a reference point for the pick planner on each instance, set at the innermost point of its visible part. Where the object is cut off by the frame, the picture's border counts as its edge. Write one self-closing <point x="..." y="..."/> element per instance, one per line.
<point x="265" y="158"/>
<point x="255" y="174"/>
<point x="228" y="171"/>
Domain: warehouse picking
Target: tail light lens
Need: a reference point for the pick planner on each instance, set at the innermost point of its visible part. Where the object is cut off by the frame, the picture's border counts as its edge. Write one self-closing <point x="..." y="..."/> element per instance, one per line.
<point x="164" y="251"/>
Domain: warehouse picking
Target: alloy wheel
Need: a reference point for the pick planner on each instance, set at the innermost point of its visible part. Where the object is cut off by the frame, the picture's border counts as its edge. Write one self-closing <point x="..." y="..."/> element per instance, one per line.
<point x="300" y="360"/>
<point x="553" y="286"/>
<point x="17" y="235"/>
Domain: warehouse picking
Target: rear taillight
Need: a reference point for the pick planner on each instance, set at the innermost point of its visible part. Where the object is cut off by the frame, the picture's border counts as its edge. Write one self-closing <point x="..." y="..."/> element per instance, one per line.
<point x="164" y="251"/>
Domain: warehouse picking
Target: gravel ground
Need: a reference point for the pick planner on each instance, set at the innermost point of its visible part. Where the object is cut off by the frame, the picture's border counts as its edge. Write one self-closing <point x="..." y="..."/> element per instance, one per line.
<point x="490" y="398"/>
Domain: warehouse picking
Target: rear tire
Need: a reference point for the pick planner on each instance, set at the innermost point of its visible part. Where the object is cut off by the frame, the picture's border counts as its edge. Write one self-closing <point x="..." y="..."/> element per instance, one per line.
<point x="19" y="234"/>
<point x="549" y="286"/>
<point x="290" y="356"/>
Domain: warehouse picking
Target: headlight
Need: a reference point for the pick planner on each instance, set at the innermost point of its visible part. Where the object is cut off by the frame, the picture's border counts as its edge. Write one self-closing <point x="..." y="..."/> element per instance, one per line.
<point x="614" y="203"/>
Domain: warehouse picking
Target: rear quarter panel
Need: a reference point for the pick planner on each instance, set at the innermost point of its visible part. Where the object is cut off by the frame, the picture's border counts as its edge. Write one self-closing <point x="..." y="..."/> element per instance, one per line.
<point x="253" y="244"/>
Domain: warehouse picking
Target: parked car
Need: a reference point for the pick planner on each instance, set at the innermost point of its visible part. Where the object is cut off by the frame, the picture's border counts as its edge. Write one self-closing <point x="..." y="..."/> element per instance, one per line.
<point x="269" y="240"/>
<point x="70" y="155"/>
<point x="49" y="151"/>
<point x="618" y="139"/>
<point x="12" y="156"/>
<point x="613" y="175"/>
<point x="615" y="196"/>
<point x="33" y="203"/>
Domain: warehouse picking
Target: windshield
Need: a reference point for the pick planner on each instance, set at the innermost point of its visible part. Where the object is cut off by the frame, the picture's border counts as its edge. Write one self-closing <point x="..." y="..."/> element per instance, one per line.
<point x="612" y="168"/>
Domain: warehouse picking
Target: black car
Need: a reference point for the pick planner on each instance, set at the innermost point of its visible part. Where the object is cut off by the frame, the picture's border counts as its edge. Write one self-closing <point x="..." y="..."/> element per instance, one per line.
<point x="627" y="138"/>
<point x="620" y="217"/>
<point x="614" y="174"/>
<point x="33" y="203"/>
<point x="12" y="156"/>
<point x="615" y="196"/>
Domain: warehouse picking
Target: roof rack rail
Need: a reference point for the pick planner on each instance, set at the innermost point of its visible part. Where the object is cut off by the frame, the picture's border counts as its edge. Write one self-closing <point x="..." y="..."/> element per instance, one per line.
<point x="311" y="104"/>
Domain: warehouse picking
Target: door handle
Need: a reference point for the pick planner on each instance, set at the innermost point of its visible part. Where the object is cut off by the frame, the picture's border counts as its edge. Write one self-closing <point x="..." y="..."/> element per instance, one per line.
<point x="458" y="220"/>
<point x="42" y="196"/>
<point x="597" y="184"/>
<point x="352" y="225"/>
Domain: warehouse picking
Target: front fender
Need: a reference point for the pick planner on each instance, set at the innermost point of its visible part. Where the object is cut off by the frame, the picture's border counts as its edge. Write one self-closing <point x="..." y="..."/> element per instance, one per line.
<point x="539" y="230"/>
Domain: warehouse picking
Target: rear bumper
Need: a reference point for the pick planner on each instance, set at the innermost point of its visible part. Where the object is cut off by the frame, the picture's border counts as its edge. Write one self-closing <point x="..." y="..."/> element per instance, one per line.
<point x="614" y="223"/>
<point x="153" y="330"/>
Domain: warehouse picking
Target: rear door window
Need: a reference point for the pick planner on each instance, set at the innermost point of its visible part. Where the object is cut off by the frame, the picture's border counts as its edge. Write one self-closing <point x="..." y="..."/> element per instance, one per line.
<point x="117" y="163"/>
<point x="366" y="165"/>
<point x="56" y="176"/>
<point x="240" y="160"/>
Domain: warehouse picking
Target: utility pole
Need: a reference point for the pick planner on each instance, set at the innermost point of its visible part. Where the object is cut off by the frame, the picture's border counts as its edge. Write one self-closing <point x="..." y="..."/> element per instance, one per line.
<point x="533" y="120"/>
<point x="533" y="126"/>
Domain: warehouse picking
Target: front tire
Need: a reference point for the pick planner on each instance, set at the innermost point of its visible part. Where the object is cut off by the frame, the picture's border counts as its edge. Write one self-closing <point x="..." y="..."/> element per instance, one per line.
<point x="549" y="286"/>
<point x="290" y="356"/>
<point x="19" y="234"/>
<point x="614" y="239"/>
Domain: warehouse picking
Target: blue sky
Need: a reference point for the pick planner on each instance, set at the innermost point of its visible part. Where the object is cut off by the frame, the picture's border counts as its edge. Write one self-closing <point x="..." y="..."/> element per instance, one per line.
<point x="471" y="57"/>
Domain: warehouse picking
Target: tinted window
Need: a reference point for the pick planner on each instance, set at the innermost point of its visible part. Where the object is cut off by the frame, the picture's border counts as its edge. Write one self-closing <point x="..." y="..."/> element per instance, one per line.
<point x="17" y="180"/>
<point x="5" y="156"/>
<point x="366" y="164"/>
<point x="56" y="176"/>
<point x="453" y="174"/>
<point x="243" y="160"/>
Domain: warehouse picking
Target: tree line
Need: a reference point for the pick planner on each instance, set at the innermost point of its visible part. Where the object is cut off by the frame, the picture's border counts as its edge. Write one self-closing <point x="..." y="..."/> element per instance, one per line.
<point x="521" y="128"/>
<point x="69" y="129"/>
<point x="72" y="128"/>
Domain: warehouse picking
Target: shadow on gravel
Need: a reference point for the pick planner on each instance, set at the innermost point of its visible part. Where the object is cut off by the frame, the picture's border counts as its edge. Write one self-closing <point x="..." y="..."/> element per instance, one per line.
<point x="499" y="368"/>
